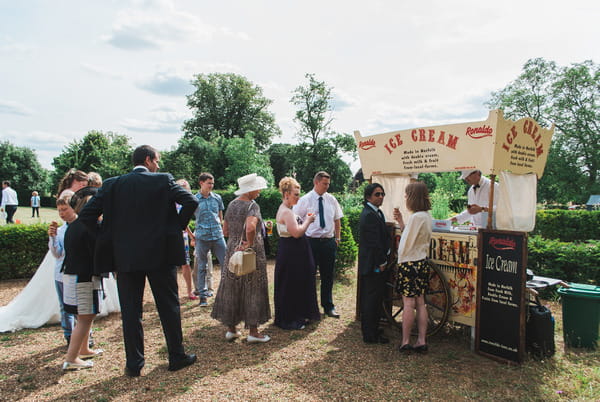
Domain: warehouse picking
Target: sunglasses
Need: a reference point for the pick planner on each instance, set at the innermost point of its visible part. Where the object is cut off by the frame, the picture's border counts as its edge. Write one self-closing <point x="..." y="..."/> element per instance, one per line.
<point x="379" y="194"/>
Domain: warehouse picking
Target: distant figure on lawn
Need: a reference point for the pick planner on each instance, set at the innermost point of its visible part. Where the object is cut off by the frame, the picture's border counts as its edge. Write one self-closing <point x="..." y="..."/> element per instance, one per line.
<point x="141" y="236"/>
<point x="9" y="201"/>
<point x="35" y="204"/>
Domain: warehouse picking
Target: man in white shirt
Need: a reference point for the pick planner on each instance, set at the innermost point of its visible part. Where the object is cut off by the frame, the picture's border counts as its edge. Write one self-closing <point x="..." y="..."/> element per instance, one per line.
<point x="478" y="198"/>
<point x="323" y="234"/>
<point x="9" y="201"/>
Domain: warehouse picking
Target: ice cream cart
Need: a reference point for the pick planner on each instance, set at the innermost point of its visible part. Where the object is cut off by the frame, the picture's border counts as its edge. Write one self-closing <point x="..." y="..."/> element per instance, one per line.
<point x="514" y="151"/>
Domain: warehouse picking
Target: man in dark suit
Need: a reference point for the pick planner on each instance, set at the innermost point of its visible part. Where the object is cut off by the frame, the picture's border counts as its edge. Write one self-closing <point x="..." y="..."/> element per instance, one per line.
<point x="140" y="238"/>
<point x="373" y="250"/>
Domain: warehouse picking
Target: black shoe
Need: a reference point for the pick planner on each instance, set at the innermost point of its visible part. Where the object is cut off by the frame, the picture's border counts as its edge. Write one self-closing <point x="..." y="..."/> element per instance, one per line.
<point x="91" y="341"/>
<point x="406" y="348"/>
<point x="332" y="313"/>
<point x="188" y="360"/>
<point x="421" y="348"/>
<point x="131" y="373"/>
<point x="378" y="339"/>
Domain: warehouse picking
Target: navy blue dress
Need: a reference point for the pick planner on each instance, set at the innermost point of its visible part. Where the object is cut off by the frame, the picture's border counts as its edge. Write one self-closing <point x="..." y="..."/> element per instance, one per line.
<point x="295" y="283"/>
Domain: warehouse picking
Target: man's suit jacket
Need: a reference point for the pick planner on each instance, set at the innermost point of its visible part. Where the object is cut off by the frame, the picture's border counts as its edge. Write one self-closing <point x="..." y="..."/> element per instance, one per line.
<point x="141" y="229"/>
<point x="374" y="241"/>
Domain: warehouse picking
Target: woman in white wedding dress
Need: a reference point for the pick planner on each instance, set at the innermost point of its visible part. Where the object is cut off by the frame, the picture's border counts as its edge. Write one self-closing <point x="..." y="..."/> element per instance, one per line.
<point x="37" y="304"/>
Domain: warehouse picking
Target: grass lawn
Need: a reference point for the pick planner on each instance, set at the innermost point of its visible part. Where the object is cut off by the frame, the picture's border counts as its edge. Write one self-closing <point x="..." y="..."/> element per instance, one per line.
<point x="23" y="214"/>
<point x="326" y="361"/>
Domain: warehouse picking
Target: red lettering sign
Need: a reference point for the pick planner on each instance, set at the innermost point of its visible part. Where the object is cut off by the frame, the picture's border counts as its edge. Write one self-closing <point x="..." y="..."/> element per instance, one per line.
<point x="479" y="132"/>
<point x="368" y="144"/>
<point x="502" y="244"/>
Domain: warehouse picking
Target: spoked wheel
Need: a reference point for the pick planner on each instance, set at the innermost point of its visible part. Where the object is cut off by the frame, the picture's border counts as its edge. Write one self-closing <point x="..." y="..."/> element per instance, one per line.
<point x="437" y="300"/>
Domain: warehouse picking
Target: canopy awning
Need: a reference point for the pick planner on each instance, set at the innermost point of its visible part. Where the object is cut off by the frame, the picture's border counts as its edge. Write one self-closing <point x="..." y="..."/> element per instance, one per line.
<point x="492" y="145"/>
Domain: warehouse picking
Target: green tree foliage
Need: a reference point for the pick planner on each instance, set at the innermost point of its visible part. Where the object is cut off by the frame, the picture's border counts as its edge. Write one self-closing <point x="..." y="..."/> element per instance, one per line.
<point x="321" y="149"/>
<point x="20" y="166"/>
<point x="108" y="154"/>
<point x="242" y="158"/>
<point x="282" y="158"/>
<point x="192" y="157"/>
<point x="229" y="106"/>
<point x="567" y="97"/>
<point x="225" y="159"/>
<point x="314" y="109"/>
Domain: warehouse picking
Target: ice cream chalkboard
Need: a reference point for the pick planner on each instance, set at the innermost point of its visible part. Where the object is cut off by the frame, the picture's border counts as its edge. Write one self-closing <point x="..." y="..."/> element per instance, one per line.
<point x="500" y="327"/>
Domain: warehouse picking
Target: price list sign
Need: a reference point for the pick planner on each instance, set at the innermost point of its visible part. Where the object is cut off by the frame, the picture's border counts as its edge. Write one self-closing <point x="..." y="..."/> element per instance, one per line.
<point x="501" y="276"/>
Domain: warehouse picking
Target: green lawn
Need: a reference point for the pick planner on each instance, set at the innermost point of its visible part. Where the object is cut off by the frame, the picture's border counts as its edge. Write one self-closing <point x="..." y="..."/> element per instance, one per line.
<point x="23" y="214"/>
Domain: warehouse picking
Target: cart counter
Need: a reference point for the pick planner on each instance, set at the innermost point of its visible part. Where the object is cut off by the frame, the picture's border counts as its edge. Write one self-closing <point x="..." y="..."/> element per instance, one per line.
<point x="455" y="253"/>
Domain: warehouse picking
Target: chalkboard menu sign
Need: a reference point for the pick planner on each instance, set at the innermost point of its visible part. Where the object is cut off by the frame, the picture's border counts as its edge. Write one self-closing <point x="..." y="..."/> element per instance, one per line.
<point x="501" y="276"/>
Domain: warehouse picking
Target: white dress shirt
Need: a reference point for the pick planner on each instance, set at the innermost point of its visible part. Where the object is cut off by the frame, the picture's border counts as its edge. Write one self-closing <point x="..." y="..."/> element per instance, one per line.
<point x="9" y="197"/>
<point x="480" y="197"/>
<point x="332" y="212"/>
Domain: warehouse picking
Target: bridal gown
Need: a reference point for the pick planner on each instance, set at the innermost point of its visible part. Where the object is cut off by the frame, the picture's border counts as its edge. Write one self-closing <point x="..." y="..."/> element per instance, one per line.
<point x="37" y="303"/>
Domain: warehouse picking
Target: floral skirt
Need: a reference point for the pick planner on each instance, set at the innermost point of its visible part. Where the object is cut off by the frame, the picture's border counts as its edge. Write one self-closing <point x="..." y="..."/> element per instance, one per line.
<point x="413" y="278"/>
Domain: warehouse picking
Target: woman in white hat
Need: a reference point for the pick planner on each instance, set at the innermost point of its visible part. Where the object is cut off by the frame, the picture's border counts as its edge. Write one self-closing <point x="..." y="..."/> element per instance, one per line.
<point x="244" y="298"/>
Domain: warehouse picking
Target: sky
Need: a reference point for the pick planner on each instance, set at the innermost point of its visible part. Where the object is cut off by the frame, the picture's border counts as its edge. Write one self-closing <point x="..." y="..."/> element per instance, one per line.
<point x="68" y="67"/>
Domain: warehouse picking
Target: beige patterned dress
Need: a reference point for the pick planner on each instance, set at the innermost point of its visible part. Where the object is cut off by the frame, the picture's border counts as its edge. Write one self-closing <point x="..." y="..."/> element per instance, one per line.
<point x="244" y="298"/>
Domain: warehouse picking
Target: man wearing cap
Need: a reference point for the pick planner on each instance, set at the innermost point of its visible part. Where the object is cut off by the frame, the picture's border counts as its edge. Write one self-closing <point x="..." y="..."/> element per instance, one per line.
<point x="323" y="234"/>
<point x="478" y="198"/>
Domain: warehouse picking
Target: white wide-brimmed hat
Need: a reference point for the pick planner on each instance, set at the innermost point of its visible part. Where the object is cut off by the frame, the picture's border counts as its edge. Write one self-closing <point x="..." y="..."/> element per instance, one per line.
<point x="250" y="182"/>
<point x="465" y="173"/>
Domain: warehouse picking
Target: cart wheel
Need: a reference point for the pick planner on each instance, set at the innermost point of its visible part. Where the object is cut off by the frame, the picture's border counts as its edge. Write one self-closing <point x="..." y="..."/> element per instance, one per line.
<point x="437" y="300"/>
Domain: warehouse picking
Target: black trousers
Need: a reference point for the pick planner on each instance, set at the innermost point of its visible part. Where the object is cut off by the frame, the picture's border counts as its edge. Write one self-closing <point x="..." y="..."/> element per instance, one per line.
<point x="10" y="212"/>
<point x="372" y="291"/>
<point x="165" y="291"/>
<point x="324" y="252"/>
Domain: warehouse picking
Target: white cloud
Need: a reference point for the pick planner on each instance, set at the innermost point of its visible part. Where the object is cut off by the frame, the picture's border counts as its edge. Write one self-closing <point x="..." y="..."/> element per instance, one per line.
<point x="100" y="71"/>
<point x="167" y="83"/>
<point x="156" y="25"/>
<point x="11" y="107"/>
<point x="163" y="119"/>
<point x="9" y="45"/>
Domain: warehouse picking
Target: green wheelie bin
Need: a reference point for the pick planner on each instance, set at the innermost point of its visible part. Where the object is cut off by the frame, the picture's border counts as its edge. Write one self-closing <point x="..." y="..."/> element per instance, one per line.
<point x="581" y="315"/>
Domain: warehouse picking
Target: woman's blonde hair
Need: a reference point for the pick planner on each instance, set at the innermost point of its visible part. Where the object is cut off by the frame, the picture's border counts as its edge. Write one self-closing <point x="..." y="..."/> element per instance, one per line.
<point x="287" y="184"/>
<point x="417" y="197"/>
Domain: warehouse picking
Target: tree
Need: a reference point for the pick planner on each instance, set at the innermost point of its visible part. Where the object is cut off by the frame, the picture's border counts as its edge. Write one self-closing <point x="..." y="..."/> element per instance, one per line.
<point x="314" y="109"/>
<point x="241" y="158"/>
<point x="193" y="156"/>
<point x="282" y="158"/>
<point x="567" y="97"/>
<point x="229" y="106"/>
<point x="20" y="166"/>
<point x="321" y="148"/>
<point x="107" y="154"/>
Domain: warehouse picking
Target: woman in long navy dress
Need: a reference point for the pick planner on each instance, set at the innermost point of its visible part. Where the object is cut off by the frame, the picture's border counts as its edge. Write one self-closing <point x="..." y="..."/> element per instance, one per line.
<point x="295" y="291"/>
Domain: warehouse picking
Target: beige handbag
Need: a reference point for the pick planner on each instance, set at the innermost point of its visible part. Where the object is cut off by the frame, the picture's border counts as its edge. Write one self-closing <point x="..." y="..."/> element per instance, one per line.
<point x="243" y="262"/>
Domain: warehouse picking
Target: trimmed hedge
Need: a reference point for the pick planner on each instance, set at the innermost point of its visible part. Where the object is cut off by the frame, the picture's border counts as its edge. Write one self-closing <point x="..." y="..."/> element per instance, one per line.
<point x="566" y="225"/>
<point x="571" y="262"/>
<point x="23" y="249"/>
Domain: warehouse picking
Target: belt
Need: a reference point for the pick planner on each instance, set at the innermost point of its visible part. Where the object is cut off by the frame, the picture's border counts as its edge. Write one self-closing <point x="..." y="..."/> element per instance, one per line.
<point x="322" y="238"/>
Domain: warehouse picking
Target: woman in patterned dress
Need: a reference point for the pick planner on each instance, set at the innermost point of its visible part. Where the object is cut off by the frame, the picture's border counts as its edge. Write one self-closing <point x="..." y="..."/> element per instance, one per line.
<point x="244" y="298"/>
<point x="413" y="270"/>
